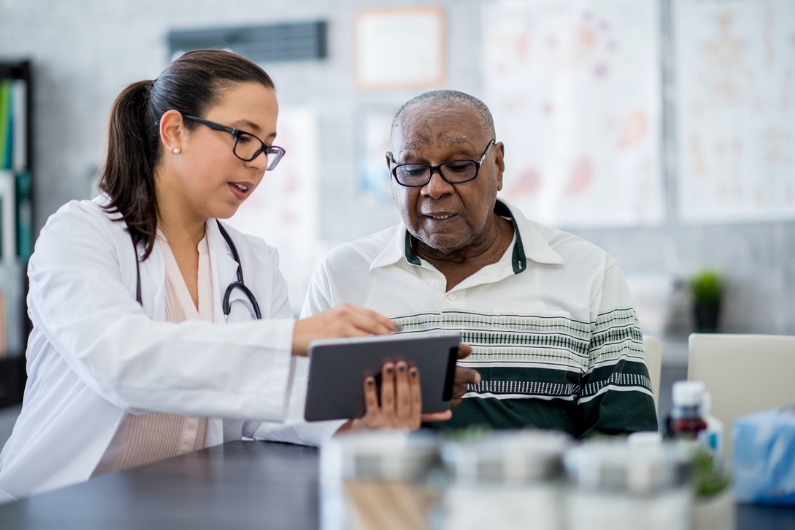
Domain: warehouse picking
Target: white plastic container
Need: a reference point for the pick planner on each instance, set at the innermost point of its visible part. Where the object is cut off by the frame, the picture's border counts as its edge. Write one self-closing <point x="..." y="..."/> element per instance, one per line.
<point x="508" y="481"/>
<point x="617" y="486"/>
<point x="377" y="481"/>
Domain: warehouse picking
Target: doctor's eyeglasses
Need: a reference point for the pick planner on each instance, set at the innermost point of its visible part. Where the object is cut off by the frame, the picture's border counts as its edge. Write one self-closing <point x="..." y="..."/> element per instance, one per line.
<point x="247" y="147"/>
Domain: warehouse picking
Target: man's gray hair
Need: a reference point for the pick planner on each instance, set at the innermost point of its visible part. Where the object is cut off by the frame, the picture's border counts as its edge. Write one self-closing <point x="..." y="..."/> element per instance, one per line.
<point x="441" y="98"/>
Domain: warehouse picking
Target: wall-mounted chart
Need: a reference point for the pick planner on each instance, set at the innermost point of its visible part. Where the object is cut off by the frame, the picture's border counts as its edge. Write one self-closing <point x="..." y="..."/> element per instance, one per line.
<point x="736" y="109"/>
<point x="283" y="210"/>
<point x="574" y="87"/>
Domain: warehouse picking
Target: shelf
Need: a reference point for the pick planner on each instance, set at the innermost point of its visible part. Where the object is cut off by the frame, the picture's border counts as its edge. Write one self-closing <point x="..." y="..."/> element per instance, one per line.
<point x="13" y="278"/>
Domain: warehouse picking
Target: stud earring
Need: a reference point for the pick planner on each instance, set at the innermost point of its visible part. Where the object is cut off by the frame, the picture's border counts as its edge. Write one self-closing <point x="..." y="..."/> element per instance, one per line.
<point x="175" y="151"/>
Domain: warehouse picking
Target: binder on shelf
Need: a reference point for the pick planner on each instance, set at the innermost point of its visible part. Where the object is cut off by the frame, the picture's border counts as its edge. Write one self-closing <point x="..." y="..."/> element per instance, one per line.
<point x="13" y="124"/>
<point x="6" y="122"/>
<point x="24" y="215"/>
<point x="12" y="300"/>
<point x="3" y="324"/>
<point x="19" y="159"/>
<point x="8" y="214"/>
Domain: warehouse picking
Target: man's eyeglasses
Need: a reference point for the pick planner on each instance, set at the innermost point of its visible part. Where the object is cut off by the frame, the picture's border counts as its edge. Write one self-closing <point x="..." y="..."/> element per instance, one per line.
<point x="452" y="171"/>
<point x="247" y="147"/>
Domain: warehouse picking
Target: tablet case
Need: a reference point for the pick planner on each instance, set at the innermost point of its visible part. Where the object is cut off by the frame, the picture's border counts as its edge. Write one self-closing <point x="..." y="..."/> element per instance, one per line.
<point x="337" y="369"/>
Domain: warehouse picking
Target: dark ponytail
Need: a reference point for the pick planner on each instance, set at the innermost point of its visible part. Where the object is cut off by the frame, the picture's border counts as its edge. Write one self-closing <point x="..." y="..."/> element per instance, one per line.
<point x="191" y="85"/>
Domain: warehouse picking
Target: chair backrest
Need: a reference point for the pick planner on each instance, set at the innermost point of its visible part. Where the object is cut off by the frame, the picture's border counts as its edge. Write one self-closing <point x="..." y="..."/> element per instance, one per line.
<point x="653" y="350"/>
<point x="744" y="374"/>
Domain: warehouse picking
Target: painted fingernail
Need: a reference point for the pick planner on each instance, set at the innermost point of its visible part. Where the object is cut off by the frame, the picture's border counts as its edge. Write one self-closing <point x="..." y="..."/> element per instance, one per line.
<point x="389" y="371"/>
<point x="414" y="373"/>
<point x="402" y="368"/>
<point x="370" y="381"/>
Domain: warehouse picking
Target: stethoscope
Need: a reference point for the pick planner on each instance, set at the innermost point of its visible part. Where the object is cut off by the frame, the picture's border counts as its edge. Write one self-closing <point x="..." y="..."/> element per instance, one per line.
<point x="232" y="286"/>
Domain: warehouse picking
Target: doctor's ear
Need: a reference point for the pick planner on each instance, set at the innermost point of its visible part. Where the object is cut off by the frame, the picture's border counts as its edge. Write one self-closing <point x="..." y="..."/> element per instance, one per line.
<point x="172" y="131"/>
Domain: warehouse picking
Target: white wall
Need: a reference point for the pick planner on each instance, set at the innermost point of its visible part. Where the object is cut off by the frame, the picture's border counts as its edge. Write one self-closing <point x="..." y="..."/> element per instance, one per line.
<point x="85" y="51"/>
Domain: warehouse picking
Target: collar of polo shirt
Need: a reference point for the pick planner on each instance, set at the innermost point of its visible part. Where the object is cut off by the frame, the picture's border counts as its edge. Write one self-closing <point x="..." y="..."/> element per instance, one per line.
<point x="529" y="244"/>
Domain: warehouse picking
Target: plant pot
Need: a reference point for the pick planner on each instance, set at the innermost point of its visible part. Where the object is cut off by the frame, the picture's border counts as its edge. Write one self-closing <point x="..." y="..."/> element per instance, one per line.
<point x="707" y="317"/>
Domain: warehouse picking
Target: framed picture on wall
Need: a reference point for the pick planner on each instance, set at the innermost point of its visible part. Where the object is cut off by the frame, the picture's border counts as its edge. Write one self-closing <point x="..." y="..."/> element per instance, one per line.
<point x="399" y="48"/>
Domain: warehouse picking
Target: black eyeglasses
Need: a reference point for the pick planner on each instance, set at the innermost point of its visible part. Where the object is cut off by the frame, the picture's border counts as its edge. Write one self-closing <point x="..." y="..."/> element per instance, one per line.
<point x="247" y="147"/>
<point x="452" y="171"/>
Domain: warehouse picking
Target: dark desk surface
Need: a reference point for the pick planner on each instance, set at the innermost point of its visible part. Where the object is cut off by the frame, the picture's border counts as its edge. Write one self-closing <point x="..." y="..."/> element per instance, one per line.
<point x="235" y="485"/>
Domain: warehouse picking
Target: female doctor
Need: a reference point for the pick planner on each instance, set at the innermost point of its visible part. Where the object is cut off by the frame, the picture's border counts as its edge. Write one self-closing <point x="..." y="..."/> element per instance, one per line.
<point x="159" y="330"/>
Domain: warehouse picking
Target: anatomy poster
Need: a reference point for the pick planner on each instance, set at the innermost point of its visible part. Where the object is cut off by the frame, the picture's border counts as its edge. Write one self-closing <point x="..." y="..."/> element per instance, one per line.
<point x="736" y="109"/>
<point x="574" y="86"/>
<point x="283" y="210"/>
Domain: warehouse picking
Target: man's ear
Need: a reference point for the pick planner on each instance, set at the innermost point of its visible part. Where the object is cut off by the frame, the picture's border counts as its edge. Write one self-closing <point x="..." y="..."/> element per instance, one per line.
<point x="389" y="159"/>
<point x="172" y="131"/>
<point x="499" y="161"/>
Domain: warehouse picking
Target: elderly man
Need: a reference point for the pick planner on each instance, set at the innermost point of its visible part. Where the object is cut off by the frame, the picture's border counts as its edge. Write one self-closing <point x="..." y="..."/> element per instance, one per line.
<point x="549" y="316"/>
<point x="555" y="338"/>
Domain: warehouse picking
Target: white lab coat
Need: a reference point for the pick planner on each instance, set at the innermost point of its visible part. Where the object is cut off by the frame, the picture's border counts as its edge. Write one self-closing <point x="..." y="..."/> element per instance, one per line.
<point x="95" y="355"/>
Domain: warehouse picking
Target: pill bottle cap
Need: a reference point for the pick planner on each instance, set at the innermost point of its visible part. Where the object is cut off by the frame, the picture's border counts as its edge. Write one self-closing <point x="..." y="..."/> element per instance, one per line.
<point x="379" y="455"/>
<point x="688" y="393"/>
<point x="507" y="457"/>
<point x="611" y="465"/>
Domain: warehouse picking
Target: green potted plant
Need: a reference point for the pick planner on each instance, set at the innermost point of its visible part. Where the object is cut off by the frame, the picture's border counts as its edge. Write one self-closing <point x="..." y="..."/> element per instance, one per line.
<point x="707" y="288"/>
<point x="713" y="506"/>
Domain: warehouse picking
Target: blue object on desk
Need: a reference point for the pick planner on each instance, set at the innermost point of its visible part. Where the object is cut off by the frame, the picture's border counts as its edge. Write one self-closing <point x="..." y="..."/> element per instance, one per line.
<point x="764" y="457"/>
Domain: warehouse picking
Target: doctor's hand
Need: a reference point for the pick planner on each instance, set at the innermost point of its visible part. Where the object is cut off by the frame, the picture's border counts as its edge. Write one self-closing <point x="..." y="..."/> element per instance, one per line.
<point x="463" y="376"/>
<point x="342" y="321"/>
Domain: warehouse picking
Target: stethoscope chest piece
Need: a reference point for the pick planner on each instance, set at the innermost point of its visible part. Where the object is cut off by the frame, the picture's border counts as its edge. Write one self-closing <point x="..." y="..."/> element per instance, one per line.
<point x="227" y="303"/>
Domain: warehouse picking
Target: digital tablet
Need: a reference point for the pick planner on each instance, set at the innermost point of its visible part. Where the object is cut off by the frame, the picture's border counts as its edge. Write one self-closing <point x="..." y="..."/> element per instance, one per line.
<point x="337" y="369"/>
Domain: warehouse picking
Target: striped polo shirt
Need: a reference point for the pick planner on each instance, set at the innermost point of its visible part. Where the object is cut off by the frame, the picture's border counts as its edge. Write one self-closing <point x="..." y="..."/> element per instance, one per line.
<point x="554" y="334"/>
